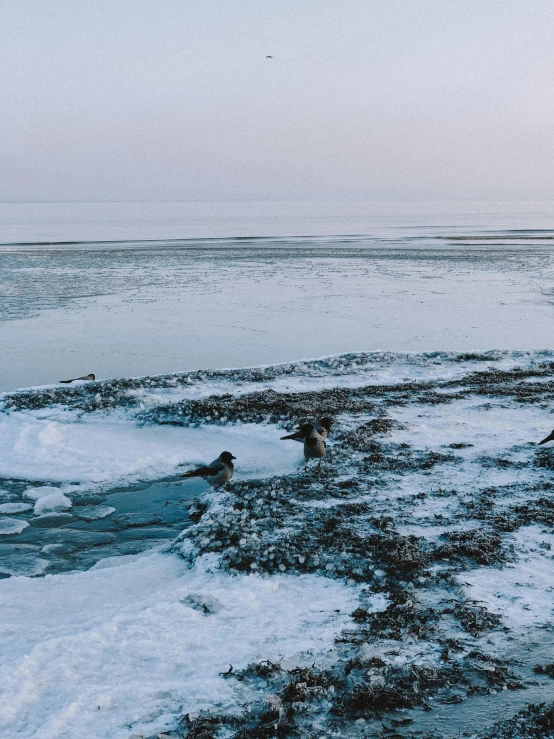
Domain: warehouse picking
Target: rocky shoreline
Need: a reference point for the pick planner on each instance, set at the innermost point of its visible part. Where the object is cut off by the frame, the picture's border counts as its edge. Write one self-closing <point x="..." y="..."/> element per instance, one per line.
<point x="432" y="644"/>
<point x="433" y="504"/>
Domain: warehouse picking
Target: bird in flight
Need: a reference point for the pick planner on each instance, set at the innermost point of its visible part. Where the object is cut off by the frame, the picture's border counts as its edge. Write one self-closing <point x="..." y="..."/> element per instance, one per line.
<point x="269" y="57"/>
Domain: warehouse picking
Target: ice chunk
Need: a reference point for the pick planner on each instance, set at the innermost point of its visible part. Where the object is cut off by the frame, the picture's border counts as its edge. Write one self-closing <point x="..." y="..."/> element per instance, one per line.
<point x="21" y="559"/>
<point x="34" y="493"/>
<point x="52" y="502"/>
<point x="15" y="507"/>
<point x="77" y="538"/>
<point x="52" y="520"/>
<point x="93" y="512"/>
<point x="12" y="526"/>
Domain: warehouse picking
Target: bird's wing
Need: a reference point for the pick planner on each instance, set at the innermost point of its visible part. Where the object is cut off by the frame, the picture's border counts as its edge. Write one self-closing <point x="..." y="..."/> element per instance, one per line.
<point x="296" y="435"/>
<point x="203" y="472"/>
<point x="548" y="438"/>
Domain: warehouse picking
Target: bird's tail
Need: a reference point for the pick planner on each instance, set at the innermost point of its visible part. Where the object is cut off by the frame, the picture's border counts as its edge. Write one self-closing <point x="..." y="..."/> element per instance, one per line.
<point x="192" y="473"/>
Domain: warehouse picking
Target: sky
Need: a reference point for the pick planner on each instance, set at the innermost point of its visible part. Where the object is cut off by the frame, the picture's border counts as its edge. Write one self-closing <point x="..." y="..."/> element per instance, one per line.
<point x="363" y="99"/>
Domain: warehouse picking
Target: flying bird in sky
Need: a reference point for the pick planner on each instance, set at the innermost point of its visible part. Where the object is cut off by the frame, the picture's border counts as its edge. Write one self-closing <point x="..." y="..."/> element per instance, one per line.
<point x="269" y="57"/>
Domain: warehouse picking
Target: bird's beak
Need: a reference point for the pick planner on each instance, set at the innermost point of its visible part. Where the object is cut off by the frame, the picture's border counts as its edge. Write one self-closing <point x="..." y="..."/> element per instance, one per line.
<point x="550" y="437"/>
<point x="296" y="435"/>
<point x="232" y="457"/>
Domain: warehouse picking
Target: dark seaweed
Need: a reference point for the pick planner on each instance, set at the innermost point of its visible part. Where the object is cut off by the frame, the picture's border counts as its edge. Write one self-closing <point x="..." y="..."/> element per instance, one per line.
<point x="534" y="722"/>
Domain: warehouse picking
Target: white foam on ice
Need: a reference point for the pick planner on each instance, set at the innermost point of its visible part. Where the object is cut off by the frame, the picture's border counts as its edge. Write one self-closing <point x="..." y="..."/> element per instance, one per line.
<point x="341" y="370"/>
<point x="493" y="429"/>
<point x="348" y="371"/>
<point x="118" y="649"/>
<point x="35" y="493"/>
<point x="109" y="448"/>
<point x="523" y="592"/>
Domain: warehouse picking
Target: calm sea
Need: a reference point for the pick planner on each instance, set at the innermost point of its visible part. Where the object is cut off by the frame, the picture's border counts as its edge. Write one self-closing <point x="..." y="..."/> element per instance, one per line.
<point x="123" y="289"/>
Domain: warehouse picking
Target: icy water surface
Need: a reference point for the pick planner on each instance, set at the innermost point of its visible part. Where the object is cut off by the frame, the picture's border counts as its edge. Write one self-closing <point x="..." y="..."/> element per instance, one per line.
<point x="132" y="289"/>
<point x="408" y="584"/>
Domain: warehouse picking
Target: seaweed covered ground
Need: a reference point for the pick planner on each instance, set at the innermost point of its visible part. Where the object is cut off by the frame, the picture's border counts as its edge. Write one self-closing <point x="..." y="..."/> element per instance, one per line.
<point x="434" y="507"/>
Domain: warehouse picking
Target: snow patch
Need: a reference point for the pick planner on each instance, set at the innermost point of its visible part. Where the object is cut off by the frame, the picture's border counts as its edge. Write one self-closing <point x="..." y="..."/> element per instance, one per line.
<point x="111" y="448"/>
<point x="118" y="649"/>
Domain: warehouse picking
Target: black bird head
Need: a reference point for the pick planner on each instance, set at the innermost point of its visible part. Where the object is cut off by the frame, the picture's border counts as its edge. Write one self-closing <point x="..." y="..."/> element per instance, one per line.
<point x="226" y="457"/>
<point x="326" y="422"/>
<point x="550" y="437"/>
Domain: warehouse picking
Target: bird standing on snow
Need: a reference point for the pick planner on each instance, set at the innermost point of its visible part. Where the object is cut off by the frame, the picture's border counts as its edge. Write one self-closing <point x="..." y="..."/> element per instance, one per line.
<point x="323" y="428"/>
<point x="314" y="443"/>
<point x="550" y="437"/>
<point x="218" y="472"/>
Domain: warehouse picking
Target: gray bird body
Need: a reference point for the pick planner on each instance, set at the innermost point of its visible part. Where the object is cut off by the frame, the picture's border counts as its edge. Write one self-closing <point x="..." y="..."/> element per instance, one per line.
<point x="314" y="443"/>
<point x="322" y="426"/>
<point x="217" y="473"/>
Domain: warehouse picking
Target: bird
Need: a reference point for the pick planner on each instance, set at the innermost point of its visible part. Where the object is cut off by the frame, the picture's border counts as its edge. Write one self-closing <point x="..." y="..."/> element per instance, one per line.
<point x="314" y="443"/>
<point x="323" y="428"/>
<point x="218" y="472"/>
<point x="86" y="377"/>
<point x="269" y="57"/>
<point x="550" y="437"/>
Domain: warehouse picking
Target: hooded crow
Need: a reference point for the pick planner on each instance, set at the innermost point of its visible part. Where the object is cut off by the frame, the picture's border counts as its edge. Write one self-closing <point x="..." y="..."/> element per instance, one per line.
<point x="218" y="472"/>
<point x="314" y="443"/>
<point x="323" y="428"/>
<point x="86" y="377"/>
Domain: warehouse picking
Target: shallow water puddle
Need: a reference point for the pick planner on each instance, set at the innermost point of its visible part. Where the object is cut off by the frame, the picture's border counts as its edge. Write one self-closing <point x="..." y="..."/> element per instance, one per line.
<point x="124" y="521"/>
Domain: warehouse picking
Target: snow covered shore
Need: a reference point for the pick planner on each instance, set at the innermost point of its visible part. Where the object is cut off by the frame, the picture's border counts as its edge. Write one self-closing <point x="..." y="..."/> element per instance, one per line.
<point x="407" y="583"/>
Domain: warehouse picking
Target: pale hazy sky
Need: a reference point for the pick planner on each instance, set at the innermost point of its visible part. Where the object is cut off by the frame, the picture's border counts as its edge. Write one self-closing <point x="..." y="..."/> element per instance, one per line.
<point x="174" y="99"/>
